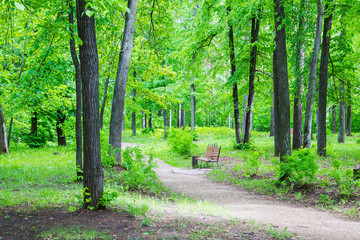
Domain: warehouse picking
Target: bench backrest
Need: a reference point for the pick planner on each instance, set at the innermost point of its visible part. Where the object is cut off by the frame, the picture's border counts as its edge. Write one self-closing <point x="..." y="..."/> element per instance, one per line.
<point x="213" y="152"/>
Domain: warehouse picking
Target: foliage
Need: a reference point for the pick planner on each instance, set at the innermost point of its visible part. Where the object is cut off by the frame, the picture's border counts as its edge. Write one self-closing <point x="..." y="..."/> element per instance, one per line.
<point x="107" y="152"/>
<point x="252" y="164"/>
<point x="181" y="141"/>
<point x="301" y="166"/>
<point x="139" y="172"/>
<point x="244" y="146"/>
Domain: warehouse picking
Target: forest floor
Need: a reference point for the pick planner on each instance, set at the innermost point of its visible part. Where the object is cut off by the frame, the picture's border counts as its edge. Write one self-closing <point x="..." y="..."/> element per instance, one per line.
<point x="304" y="221"/>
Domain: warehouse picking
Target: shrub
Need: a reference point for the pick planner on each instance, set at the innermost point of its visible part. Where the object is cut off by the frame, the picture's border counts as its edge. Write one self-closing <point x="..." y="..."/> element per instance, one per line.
<point x="139" y="173"/>
<point x="181" y="141"/>
<point x="244" y="146"/>
<point x="301" y="166"/>
<point x="107" y="152"/>
<point x="252" y="164"/>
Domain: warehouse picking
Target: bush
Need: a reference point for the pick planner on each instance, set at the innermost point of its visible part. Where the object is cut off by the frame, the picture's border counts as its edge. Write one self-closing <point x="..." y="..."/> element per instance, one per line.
<point x="107" y="152"/>
<point x="181" y="141"/>
<point x="139" y="173"/>
<point x="301" y="166"/>
<point x="244" y="146"/>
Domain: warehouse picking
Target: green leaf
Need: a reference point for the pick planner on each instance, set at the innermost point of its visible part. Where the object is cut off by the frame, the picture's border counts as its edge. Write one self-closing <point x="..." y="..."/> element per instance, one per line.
<point x="128" y="9"/>
<point x="19" y="6"/>
<point x="89" y="13"/>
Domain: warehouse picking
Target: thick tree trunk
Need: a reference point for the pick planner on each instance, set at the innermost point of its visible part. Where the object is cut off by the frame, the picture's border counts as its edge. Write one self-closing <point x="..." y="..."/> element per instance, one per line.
<point x="299" y="78"/>
<point x="281" y="88"/>
<point x="235" y="87"/>
<point x="103" y="104"/>
<point x="323" y="81"/>
<point x="59" y="131"/>
<point x="312" y="79"/>
<point x="255" y="25"/>
<point x="193" y="106"/>
<point x="342" y="113"/>
<point x="333" y="116"/>
<point x="165" y="122"/>
<point x="117" y="110"/>
<point x="3" y="140"/>
<point x="93" y="172"/>
<point x="78" y="136"/>
<point x="133" y="116"/>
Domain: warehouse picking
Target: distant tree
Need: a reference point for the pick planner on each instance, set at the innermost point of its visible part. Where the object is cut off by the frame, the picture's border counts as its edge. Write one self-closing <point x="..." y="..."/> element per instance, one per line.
<point x="3" y="141"/>
<point x="93" y="172"/>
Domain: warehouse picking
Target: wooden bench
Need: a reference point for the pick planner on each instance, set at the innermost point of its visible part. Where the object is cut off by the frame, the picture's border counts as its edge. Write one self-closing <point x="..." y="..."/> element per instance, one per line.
<point x="212" y="156"/>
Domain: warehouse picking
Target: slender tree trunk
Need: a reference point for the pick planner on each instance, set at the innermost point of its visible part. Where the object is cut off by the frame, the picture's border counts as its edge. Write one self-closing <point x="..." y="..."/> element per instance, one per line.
<point x="170" y="120"/>
<point x="10" y="129"/>
<point x="323" y="81"/>
<point x="78" y="135"/>
<point x="183" y="116"/>
<point x="312" y="78"/>
<point x="3" y="140"/>
<point x="34" y="126"/>
<point x="179" y="117"/>
<point x="333" y="114"/>
<point x="133" y="116"/>
<point x="103" y="104"/>
<point x="143" y="120"/>
<point x="235" y="94"/>
<point x="193" y="107"/>
<point x="165" y="122"/>
<point x="150" y="120"/>
<point x="117" y="111"/>
<point x="281" y="89"/>
<point x="60" y="133"/>
<point x="299" y="78"/>
<point x="255" y="25"/>
<point x="272" y="123"/>
<point x="342" y="113"/>
<point x="93" y="172"/>
<point x="244" y="106"/>
<point x="348" y="114"/>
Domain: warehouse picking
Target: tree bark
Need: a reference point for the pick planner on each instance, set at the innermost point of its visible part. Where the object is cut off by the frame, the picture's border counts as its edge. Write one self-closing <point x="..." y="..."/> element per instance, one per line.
<point x="165" y="122"/>
<point x="103" y="104"/>
<point x="323" y="81"/>
<point x="10" y="129"/>
<point x="133" y="116"/>
<point x="78" y="135"/>
<point x="299" y="79"/>
<point x="93" y="172"/>
<point x="143" y="120"/>
<point x="255" y="25"/>
<point x="333" y="116"/>
<point x="235" y="94"/>
<point x="193" y="106"/>
<point x="281" y="88"/>
<point x="244" y="106"/>
<point x="312" y="79"/>
<point x="150" y="120"/>
<point x="59" y="131"/>
<point x="34" y="126"/>
<point x="348" y="114"/>
<point x="4" y="149"/>
<point x="183" y="116"/>
<point x="117" y="110"/>
<point x="179" y="117"/>
<point x="272" y="123"/>
<point x="342" y="113"/>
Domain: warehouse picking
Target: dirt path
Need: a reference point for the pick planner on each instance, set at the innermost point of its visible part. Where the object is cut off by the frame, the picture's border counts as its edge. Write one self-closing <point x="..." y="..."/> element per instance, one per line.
<point x="306" y="222"/>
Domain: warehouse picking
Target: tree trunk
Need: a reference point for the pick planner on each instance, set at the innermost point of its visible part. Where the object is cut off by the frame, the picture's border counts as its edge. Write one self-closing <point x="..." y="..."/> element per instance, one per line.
<point x="179" y="117"/>
<point x="165" y="122"/>
<point x="281" y="88"/>
<point x="299" y="79"/>
<point x="3" y="141"/>
<point x="10" y="129"/>
<point x="150" y="120"/>
<point x="312" y="78"/>
<point x="323" y="81"/>
<point x="93" y="172"/>
<point x="348" y="115"/>
<point x="183" y="116"/>
<point x="255" y="25"/>
<point x="235" y="87"/>
<point x="78" y="137"/>
<point x="272" y="123"/>
<point x="342" y="113"/>
<point x="193" y="107"/>
<point x="34" y="125"/>
<point x="60" y="133"/>
<point x="170" y="120"/>
<point x="333" y="116"/>
<point x="103" y="104"/>
<point x="143" y="120"/>
<point x="117" y="110"/>
<point x="133" y="116"/>
<point x="244" y="105"/>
